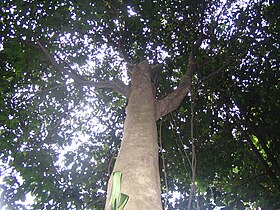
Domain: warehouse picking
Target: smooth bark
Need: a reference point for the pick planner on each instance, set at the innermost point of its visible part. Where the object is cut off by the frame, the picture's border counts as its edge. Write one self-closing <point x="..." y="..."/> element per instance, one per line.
<point x="138" y="155"/>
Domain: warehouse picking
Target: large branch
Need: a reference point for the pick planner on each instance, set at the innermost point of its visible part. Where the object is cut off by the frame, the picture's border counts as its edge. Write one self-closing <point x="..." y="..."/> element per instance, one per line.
<point x="172" y="101"/>
<point x="116" y="84"/>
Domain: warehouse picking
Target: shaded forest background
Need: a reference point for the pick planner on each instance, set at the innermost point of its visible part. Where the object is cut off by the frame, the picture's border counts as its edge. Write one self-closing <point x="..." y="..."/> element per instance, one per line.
<point x="235" y="97"/>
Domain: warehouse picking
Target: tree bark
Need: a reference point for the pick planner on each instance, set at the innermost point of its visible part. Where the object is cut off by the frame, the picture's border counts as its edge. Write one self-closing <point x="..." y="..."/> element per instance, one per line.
<point x="138" y="156"/>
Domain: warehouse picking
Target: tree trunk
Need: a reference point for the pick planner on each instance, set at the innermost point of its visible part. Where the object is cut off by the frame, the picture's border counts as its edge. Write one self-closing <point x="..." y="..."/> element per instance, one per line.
<point x="138" y="156"/>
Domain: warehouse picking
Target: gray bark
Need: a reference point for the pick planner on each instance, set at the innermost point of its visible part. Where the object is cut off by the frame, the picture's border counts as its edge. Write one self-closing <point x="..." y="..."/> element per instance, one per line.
<point x="138" y="156"/>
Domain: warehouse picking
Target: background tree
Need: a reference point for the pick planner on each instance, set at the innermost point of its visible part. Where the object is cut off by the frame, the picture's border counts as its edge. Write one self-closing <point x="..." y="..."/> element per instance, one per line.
<point x="55" y="53"/>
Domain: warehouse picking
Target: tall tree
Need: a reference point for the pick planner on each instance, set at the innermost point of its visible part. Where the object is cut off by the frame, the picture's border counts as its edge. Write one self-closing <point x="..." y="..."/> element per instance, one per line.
<point x="66" y="65"/>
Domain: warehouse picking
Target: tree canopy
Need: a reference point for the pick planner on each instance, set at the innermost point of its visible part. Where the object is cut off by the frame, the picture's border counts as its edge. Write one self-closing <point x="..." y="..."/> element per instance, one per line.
<point x="45" y="111"/>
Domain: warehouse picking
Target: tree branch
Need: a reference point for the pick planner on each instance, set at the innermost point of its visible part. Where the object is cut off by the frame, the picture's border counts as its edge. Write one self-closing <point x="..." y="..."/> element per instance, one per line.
<point x="115" y="84"/>
<point x="123" y="54"/>
<point x="263" y="143"/>
<point x="267" y="168"/>
<point x="226" y="64"/>
<point x="259" y="156"/>
<point x="172" y="101"/>
<point x="121" y="47"/>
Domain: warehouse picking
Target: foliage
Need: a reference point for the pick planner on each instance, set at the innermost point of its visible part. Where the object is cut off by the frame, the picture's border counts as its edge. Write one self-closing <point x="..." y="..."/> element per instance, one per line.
<point x="44" y="114"/>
